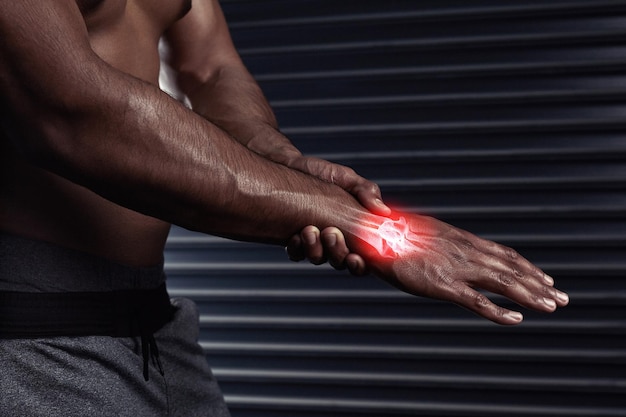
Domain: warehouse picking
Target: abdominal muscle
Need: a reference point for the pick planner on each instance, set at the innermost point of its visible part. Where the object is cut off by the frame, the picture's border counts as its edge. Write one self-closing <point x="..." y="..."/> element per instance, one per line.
<point x="38" y="204"/>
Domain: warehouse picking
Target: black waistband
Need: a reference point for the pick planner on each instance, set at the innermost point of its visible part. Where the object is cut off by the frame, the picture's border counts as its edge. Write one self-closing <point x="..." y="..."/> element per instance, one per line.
<point x="121" y="313"/>
<point x="113" y="313"/>
<point x="28" y="265"/>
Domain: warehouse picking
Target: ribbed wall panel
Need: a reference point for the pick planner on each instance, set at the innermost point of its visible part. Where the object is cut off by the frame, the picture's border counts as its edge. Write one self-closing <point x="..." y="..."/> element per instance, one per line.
<point x="506" y="118"/>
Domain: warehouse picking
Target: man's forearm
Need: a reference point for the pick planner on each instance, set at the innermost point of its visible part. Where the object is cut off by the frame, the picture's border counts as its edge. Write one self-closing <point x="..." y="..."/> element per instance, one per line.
<point x="139" y="148"/>
<point x="234" y="101"/>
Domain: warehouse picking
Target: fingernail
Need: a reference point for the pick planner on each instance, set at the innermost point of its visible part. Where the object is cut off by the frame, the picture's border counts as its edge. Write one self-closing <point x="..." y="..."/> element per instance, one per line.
<point x="548" y="279"/>
<point x="310" y="238"/>
<point x="549" y="302"/>
<point x="514" y="315"/>
<point x="382" y="205"/>
<point x="562" y="297"/>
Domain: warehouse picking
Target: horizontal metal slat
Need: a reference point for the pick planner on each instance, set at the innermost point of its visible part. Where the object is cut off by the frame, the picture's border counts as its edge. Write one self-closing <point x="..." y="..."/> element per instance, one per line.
<point x="444" y="13"/>
<point x="496" y="153"/>
<point x="433" y="86"/>
<point x="539" y="40"/>
<point x="475" y="98"/>
<point x="467" y="127"/>
<point x="508" y="183"/>
<point x="533" y="212"/>
<point x="588" y="384"/>
<point x="483" y="353"/>
<point x="415" y="408"/>
<point x="373" y="324"/>
<point x="589" y="66"/>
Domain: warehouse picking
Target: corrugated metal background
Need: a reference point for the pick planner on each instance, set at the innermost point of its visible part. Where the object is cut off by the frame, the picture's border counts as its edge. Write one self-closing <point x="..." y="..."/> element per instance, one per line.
<point x="506" y="118"/>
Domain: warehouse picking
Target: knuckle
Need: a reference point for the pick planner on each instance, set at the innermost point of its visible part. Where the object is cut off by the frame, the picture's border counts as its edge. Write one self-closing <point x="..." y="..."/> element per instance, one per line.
<point x="504" y="280"/>
<point x="539" y="296"/>
<point x="349" y="171"/>
<point x="458" y="258"/>
<point x="466" y="243"/>
<point x="444" y="278"/>
<point x="374" y="188"/>
<point x="481" y="302"/>
<point x="500" y="313"/>
<point x="511" y="254"/>
<point x="366" y="187"/>
<point x="536" y="299"/>
<point x="547" y="291"/>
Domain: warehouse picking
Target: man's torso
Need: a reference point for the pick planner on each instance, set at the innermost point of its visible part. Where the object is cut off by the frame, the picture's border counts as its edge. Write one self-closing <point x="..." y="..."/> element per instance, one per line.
<point x="38" y="204"/>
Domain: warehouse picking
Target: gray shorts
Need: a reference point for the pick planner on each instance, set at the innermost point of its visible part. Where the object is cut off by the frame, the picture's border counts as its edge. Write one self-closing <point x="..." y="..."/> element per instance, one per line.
<point x="98" y="375"/>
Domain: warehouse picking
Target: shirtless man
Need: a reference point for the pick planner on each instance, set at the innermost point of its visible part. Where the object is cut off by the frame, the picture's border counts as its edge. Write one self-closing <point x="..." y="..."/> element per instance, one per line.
<point x="97" y="162"/>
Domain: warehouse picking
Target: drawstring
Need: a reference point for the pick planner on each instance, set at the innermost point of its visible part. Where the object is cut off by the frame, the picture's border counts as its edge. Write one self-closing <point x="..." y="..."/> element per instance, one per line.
<point x="149" y="351"/>
<point x="145" y="321"/>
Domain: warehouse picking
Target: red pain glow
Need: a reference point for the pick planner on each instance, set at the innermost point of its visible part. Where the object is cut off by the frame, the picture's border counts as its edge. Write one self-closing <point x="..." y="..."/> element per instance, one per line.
<point x="394" y="236"/>
<point x="390" y="238"/>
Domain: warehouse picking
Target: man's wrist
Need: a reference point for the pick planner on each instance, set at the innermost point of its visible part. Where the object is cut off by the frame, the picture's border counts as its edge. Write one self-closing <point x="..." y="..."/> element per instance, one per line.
<point x="388" y="237"/>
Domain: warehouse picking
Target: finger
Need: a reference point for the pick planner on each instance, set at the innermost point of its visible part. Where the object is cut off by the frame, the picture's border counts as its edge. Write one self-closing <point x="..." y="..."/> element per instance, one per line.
<point x="335" y="247"/>
<point x="562" y="299"/>
<point x="368" y="194"/>
<point x="313" y="249"/>
<point x="518" y="288"/>
<point x="356" y="265"/>
<point x="479" y="304"/>
<point x="295" y="249"/>
<point x="338" y="253"/>
<point x="503" y="270"/>
<point x="511" y="257"/>
<point x="510" y="276"/>
<point x="534" y="278"/>
<point x="509" y="265"/>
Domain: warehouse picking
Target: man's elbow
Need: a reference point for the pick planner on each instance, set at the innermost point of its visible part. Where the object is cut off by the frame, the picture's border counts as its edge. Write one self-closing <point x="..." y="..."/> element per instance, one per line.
<point x="46" y="132"/>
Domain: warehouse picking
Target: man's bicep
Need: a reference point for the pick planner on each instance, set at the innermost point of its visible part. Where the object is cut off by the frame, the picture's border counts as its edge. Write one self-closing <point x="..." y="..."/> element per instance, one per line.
<point x="39" y="36"/>
<point x="200" y="44"/>
<point x="44" y="53"/>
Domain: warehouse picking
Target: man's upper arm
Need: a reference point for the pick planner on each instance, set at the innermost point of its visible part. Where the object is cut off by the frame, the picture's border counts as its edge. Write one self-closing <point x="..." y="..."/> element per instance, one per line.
<point x="46" y="70"/>
<point x="200" y="44"/>
<point x="44" y="48"/>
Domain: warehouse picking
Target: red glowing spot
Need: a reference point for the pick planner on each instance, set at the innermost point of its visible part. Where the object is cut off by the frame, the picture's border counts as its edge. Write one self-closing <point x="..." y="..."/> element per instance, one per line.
<point x="394" y="234"/>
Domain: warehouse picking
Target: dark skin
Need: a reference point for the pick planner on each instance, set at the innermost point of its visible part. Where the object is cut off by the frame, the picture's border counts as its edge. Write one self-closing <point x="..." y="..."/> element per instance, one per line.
<point x="95" y="157"/>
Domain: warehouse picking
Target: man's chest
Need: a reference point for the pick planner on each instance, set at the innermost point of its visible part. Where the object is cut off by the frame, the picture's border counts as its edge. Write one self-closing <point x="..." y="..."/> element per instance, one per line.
<point x="158" y="14"/>
<point x="125" y="33"/>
